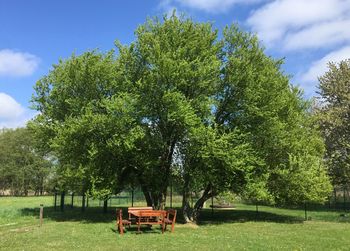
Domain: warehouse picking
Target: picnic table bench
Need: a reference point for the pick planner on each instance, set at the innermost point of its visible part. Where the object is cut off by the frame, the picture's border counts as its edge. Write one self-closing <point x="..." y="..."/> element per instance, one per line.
<point x="147" y="216"/>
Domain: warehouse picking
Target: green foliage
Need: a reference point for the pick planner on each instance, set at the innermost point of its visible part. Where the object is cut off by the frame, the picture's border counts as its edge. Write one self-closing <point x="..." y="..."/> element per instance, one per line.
<point x="334" y="120"/>
<point x="258" y="99"/>
<point x="22" y="168"/>
<point x="223" y="160"/>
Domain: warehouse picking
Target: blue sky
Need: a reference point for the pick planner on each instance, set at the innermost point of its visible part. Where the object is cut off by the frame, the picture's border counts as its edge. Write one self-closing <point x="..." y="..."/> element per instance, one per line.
<point x="36" y="34"/>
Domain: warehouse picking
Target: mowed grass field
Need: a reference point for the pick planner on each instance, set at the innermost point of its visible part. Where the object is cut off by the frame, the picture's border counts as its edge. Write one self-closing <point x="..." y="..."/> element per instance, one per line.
<point x="235" y="229"/>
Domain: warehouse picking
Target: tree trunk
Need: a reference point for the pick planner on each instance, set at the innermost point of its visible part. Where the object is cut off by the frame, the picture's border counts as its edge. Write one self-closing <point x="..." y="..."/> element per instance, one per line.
<point x="207" y="194"/>
<point x="146" y="191"/>
<point x="156" y="196"/>
<point x="62" y="201"/>
<point x="25" y="189"/>
<point x="72" y="201"/>
<point x="165" y="168"/>
<point x="186" y="208"/>
<point x="83" y="202"/>
<point x="154" y="199"/>
<point x="105" y="205"/>
<point x="192" y="214"/>
<point x="41" y="186"/>
<point x="55" y="201"/>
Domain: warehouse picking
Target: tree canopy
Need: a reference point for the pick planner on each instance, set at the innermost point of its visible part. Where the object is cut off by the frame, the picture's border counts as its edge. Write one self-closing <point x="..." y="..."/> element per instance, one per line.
<point x="179" y="101"/>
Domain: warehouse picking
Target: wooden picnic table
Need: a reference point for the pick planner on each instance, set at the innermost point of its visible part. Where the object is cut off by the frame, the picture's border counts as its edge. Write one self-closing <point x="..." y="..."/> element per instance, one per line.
<point x="131" y="209"/>
<point x="149" y="217"/>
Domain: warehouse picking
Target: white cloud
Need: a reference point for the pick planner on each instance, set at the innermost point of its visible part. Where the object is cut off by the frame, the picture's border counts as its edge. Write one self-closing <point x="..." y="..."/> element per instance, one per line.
<point x="296" y="24"/>
<point x="318" y="28"/>
<point x="319" y="36"/>
<point x="9" y="108"/>
<point x="21" y="122"/>
<point x="211" y="6"/>
<point x="319" y="67"/>
<point x="12" y="113"/>
<point x="15" y="63"/>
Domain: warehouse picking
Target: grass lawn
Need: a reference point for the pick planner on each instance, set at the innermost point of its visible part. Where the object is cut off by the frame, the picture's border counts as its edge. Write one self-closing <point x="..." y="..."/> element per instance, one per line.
<point x="236" y="229"/>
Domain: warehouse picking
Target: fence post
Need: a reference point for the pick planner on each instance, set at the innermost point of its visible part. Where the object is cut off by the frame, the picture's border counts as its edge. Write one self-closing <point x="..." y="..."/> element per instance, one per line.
<point x="41" y="214"/>
<point x="305" y="210"/>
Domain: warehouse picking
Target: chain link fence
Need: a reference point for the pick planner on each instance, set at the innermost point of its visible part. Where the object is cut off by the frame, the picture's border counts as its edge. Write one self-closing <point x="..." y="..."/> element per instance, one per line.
<point x="338" y="203"/>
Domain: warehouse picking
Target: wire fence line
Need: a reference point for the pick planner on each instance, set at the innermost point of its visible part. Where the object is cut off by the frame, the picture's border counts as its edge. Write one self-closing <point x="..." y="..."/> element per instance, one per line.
<point x="337" y="202"/>
<point x="123" y="199"/>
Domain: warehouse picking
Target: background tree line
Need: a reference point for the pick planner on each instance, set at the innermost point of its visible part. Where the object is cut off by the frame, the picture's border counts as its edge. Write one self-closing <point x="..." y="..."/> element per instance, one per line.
<point x="23" y="169"/>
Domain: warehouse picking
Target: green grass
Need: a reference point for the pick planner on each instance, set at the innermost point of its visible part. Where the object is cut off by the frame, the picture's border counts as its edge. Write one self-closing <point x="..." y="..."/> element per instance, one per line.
<point x="236" y="229"/>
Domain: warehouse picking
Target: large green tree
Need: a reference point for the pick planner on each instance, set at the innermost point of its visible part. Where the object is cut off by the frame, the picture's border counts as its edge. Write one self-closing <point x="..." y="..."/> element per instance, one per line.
<point x="334" y="119"/>
<point x="157" y="88"/>
<point x="218" y="113"/>
<point x="177" y="67"/>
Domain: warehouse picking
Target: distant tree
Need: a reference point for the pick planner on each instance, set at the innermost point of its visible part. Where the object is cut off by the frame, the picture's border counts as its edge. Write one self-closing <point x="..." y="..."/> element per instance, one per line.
<point x="334" y="119"/>
<point x="22" y="168"/>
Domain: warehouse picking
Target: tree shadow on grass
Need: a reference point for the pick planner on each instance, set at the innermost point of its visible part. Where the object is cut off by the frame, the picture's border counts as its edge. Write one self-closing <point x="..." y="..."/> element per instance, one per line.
<point x="338" y="207"/>
<point x="143" y="230"/>
<point x="234" y="215"/>
<point x="219" y="216"/>
<point x="90" y="215"/>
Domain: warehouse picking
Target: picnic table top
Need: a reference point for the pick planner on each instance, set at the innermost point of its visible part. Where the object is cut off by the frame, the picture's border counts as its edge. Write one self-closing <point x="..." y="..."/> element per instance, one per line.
<point x="148" y="213"/>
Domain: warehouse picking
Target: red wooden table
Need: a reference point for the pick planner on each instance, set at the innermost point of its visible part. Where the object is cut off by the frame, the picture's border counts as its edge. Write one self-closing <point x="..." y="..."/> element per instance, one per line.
<point x="149" y="217"/>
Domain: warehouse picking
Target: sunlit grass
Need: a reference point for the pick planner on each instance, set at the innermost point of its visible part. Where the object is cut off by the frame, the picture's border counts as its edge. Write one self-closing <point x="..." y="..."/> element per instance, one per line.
<point x="241" y="228"/>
